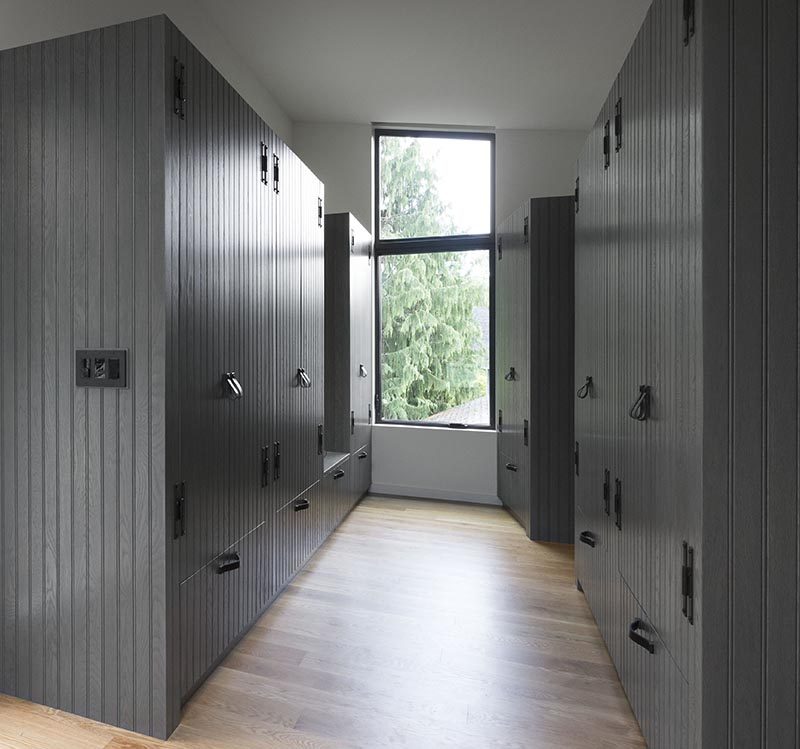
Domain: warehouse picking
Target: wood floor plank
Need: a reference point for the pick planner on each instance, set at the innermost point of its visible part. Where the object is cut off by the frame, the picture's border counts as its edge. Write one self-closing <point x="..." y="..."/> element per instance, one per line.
<point x="419" y="625"/>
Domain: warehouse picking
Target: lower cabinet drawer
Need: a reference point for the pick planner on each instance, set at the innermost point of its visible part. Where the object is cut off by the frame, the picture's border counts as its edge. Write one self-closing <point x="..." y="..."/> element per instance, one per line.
<point x="656" y="689"/>
<point x="219" y="602"/>
<point x="361" y="461"/>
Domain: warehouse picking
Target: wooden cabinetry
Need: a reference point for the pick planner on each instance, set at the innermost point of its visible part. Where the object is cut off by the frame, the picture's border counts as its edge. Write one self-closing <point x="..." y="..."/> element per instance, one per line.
<point x="534" y="288"/>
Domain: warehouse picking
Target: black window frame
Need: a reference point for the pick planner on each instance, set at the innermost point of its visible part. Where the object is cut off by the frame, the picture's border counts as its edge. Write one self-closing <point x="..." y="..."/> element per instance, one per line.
<point x="426" y="245"/>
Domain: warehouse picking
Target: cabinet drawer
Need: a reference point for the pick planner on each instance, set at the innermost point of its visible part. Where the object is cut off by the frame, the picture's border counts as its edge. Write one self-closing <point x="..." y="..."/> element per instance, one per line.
<point x="656" y="689"/>
<point x="361" y="461"/>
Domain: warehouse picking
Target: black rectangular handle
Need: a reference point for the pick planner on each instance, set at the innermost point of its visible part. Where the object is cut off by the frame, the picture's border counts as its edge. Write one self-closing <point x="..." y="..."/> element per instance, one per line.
<point x="338" y="475"/>
<point x="607" y="491"/>
<point x="618" y="504"/>
<point x="511" y="467"/>
<point x="276" y="460"/>
<point x="636" y="626"/>
<point x="587" y="537"/>
<point x="301" y="504"/>
<point x="228" y="563"/>
<point x="352" y="422"/>
<point x="320" y="439"/>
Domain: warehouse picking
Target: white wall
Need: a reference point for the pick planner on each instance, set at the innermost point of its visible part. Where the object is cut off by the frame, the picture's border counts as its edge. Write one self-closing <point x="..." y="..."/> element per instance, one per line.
<point x="341" y="156"/>
<point x="456" y="464"/>
<point x="37" y="20"/>
<point x="530" y="164"/>
<point x="534" y="164"/>
<point x="429" y="462"/>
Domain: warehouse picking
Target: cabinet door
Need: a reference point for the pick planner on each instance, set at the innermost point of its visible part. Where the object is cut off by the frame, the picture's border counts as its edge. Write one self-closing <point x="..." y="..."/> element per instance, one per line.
<point x="502" y="336"/>
<point x="362" y="470"/>
<point x="360" y="335"/>
<point x="312" y="397"/>
<point x="289" y="348"/>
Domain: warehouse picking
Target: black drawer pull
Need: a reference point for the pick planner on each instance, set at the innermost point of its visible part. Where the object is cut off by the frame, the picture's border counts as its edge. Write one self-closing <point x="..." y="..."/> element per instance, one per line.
<point x="585" y="389"/>
<point x="640" y="411"/>
<point x="362" y="455"/>
<point x="637" y="625"/>
<point x="276" y="462"/>
<point x="338" y="475"/>
<point x="511" y="467"/>
<point x="587" y="537"/>
<point x="228" y="563"/>
<point x="301" y="504"/>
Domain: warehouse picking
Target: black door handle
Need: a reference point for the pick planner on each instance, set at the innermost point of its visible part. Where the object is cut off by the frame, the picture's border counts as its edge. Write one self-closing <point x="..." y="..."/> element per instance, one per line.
<point x="362" y="456"/>
<point x="636" y="626"/>
<point x="352" y="422"/>
<point x="338" y="475"/>
<point x="234" y="389"/>
<point x="320" y="439"/>
<point x="276" y="462"/>
<point x="585" y="389"/>
<point x="228" y="563"/>
<point x="511" y="467"/>
<point x="362" y="371"/>
<point x="301" y="504"/>
<point x="587" y="537"/>
<point x="511" y="375"/>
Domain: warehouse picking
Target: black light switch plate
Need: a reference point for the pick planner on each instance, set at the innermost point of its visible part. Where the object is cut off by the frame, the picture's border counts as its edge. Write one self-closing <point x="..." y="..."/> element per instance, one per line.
<point x="101" y="368"/>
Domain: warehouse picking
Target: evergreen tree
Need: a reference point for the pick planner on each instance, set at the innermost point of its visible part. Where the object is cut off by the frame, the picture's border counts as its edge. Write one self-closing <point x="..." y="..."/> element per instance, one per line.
<point x="433" y="357"/>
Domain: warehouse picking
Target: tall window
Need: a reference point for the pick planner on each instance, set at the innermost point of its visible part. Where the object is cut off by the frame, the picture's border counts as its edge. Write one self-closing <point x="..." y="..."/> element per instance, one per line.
<point x="435" y="235"/>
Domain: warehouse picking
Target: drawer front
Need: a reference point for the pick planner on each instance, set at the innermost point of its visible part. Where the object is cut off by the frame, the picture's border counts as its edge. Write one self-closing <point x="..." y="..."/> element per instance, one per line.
<point x="656" y="689"/>
<point x="361" y="461"/>
<point x="219" y="602"/>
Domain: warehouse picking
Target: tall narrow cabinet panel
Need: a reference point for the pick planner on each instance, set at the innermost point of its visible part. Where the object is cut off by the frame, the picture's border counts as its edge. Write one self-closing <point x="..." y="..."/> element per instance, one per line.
<point x="348" y="345"/>
<point x="82" y="265"/>
<point x="534" y="364"/>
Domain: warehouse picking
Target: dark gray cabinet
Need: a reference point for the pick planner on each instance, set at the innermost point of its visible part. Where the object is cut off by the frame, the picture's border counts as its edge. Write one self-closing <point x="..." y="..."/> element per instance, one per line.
<point x="153" y="522"/>
<point x="349" y="344"/>
<point x="534" y="282"/>
<point x="686" y="293"/>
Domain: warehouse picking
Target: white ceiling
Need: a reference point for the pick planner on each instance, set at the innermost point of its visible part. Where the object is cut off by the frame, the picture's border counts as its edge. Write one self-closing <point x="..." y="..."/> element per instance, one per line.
<point x="539" y="64"/>
<point x="530" y="64"/>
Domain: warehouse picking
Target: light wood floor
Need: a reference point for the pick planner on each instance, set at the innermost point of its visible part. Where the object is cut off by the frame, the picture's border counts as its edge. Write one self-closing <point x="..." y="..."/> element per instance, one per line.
<point x="417" y="625"/>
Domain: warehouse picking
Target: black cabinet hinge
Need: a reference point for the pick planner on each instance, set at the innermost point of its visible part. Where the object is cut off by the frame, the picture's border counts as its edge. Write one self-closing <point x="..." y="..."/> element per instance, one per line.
<point x="607" y="491"/>
<point x="687" y="582"/>
<point x="264" y="163"/>
<point x="319" y="212"/>
<point x="618" y="504"/>
<point x="577" y="194"/>
<point x="276" y="172"/>
<point x="500" y="247"/>
<point x="500" y="420"/>
<point x="179" y="511"/>
<point x="688" y="21"/>
<point x="526" y="230"/>
<point x="618" y="125"/>
<point x="179" y="88"/>
<point x="577" y="458"/>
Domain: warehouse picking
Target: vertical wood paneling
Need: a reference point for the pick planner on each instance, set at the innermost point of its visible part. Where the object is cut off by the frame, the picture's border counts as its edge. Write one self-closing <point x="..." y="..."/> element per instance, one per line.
<point x="646" y="300"/>
<point x="82" y="604"/>
<point x="750" y="239"/>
